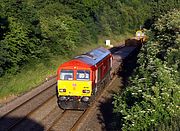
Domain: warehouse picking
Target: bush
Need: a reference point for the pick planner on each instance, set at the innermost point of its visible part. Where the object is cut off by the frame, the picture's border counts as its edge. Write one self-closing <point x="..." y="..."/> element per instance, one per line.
<point x="152" y="97"/>
<point x="39" y="29"/>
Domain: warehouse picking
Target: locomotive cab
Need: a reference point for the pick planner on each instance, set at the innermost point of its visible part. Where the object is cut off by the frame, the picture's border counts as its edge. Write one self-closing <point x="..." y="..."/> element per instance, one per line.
<point x="79" y="79"/>
<point x="74" y="83"/>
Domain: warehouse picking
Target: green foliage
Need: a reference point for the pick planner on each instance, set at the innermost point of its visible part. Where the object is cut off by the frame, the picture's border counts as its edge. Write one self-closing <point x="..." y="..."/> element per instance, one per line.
<point x="167" y="34"/>
<point x="14" y="43"/>
<point x="64" y="34"/>
<point x="61" y="26"/>
<point x="17" y="47"/>
<point x="160" y="7"/>
<point x="20" y="38"/>
<point x="152" y="96"/>
<point x="40" y="28"/>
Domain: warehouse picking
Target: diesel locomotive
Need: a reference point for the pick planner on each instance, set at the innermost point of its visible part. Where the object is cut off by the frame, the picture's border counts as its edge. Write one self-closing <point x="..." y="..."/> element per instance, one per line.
<point x="140" y="36"/>
<point x="79" y="79"/>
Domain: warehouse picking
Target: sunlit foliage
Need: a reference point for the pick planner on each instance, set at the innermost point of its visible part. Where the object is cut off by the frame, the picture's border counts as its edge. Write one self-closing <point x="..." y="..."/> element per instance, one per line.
<point x="41" y="28"/>
<point x="151" y="100"/>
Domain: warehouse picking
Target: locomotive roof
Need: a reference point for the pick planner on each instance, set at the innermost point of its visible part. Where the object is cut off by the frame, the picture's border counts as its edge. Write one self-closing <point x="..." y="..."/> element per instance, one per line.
<point x="93" y="57"/>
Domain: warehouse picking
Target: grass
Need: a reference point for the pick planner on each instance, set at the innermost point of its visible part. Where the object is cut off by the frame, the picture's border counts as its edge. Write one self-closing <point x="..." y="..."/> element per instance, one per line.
<point x="36" y="72"/>
<point x="115" y="40"/>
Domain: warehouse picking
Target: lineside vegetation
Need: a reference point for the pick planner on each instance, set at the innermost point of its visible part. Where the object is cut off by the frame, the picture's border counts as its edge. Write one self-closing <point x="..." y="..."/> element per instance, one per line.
<point x="38" y="29"/>
<point x="37" y="35"/>
<point x="151" y="99"/>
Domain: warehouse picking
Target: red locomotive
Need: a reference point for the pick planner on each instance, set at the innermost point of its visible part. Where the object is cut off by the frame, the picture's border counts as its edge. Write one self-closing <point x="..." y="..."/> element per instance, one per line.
<point x="80" y="78"/>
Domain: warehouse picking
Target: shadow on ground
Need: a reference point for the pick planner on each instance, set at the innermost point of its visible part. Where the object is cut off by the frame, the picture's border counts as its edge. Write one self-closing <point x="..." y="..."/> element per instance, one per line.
<point x="9" y="123"/>
<point x="110" y="120"/>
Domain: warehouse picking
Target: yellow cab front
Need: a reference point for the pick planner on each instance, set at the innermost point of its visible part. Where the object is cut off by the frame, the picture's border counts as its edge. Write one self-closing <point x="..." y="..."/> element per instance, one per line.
<point x="74" y="83"/>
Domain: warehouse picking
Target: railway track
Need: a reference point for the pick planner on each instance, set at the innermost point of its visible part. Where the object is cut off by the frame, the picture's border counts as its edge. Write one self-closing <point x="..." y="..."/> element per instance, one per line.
<point x="67" y="121"/>
<point x="42" y="109"/>
<point x="27" y="105"/>
<point x="73" y="119"/>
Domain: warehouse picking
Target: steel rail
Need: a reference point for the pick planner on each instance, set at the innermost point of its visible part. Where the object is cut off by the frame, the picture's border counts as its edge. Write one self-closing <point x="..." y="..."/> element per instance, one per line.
<point x="26" y="103"/>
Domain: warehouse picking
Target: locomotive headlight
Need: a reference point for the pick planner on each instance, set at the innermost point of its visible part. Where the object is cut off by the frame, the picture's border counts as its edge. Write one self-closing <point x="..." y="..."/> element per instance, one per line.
<point x="86" y="91"/>
<point x="62" y="90"/>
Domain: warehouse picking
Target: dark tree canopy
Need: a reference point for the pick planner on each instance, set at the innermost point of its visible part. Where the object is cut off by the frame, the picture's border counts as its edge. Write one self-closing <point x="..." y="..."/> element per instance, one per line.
<point x="34" y="29"/>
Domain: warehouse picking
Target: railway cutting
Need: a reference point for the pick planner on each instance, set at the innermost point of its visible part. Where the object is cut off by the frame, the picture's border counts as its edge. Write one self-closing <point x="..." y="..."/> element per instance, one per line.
<point x="38" y="109"/>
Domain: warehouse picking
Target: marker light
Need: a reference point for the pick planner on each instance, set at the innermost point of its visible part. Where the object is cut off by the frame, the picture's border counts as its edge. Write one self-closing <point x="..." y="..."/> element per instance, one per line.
<point x="86" y="91"/>
<point x="62" y="90"/>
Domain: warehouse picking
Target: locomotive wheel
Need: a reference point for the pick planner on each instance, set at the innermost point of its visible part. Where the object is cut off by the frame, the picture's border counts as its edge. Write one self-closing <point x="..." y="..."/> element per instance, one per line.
<point x="75" y="105"/>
